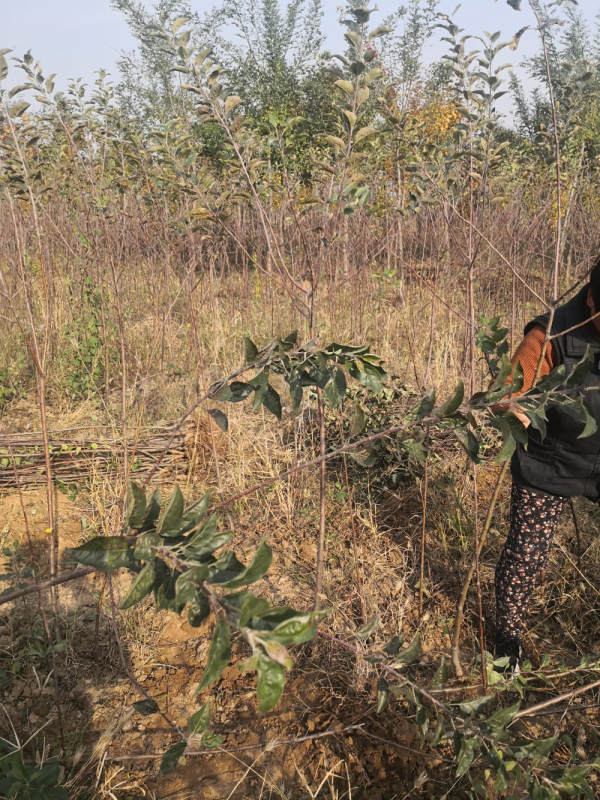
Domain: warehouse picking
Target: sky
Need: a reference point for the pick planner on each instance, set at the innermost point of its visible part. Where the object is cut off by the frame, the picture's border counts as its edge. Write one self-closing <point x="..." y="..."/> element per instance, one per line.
<point x="75" y="38"/>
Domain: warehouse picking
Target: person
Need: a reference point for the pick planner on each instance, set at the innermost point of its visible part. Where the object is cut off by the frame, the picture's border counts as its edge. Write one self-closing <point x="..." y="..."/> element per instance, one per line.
<point x="551" y="468"/>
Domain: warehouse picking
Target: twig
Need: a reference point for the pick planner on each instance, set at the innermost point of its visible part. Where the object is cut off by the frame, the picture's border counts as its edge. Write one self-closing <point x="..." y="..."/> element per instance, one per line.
<point x="527" y="712"/>
<point x="134" y="682"/>
<point x="460" y="608"/>
<point x="478" y="582"/>
<point x="8" y="597"/>
<point x="577" y="534"/>
<point x="270" y="746"/>
<point x="423" y="527"/>
<point x="391" y="671"/>
<point x="322" y="498"/>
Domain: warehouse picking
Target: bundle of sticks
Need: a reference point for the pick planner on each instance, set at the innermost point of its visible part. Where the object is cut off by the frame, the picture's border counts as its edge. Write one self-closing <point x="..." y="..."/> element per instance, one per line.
<point x="77" y="454"/>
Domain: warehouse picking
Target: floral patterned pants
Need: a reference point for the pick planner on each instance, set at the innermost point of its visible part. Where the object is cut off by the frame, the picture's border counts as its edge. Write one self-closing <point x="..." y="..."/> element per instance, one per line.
<point x="533" y="520"/>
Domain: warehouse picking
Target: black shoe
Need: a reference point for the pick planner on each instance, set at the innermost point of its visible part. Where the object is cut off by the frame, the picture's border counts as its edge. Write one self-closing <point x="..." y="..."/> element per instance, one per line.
<point x="508" y="647"/>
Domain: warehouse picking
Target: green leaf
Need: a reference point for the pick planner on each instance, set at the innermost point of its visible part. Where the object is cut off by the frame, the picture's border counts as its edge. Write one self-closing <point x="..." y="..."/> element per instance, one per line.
<point x="361" y="15"/>
<point x="382" y="30"/>
<point x="195" y="514"/>
<point x="345" y="86"/>
<point x="219" y="655"/>
<point x="503" y="375"/>
<point x="290" y="341"/>
<point x="105" y="553"/>
<point x="22" y="87"/>
<point x="198" y="609"/>
<point x="591" y="426"/>
<point x="256" y="570"/>
<point x="426" y="405"/>
<point x="179" y="22"/>
<point x="271" y="679"/>
<point x="251" y="607"/>
<point x="199" y="721"/>
<point x="18" y="109"/>
<point x="231" y="102"/>
<point x="550" y="381"/>
<point x="358" y="421"/>
<point x="276" y="616"/>
<point x="164" y="588"/>
<point x="223" y="394"/>
<point x="188" y="582"/>
<point x="171" y="758"/>
<point x="170" y="520"/>
<point x="509" y="444"/>
<point x="141" y="586"/>
<point x="453" y="404"/>
<point x="332" y="395"/>
<point x="271" y="401"/>
<point x="340" y="382"/>
<point x="368" y="629"/>
<point x="500" y="719"/>
<point x="518" y="379"/>
<point x="220" y="418"/>
<point x="363" y="133"/>
<point x="469" y="442"/>
<point x="371" y="376"/>
<point x="412" y="653"/>
<point x="466" y="755"/>
<point x="394" y="645"/>
<point x="211" y="740"/>
<point x="207" y="540"/>
<point x="544" y="746"/>
<point x="298" y="629"/>
<point x="152" y="511"/>
<point x="538" y="421"/>
<point x="295" y="393"/>
<point x="146" y="707"/>
<point x="250" y="350"/>
<point x="579" y="411"/>
<point x="350" y="116"/>
<point x="383" y="694"/>
<point x="278" y="652"/>
<point x="441" y="675"/>
<point x="336" y="142"/>
<point x="471" y="706"/>
<point x="136" y="505"/>
<point x="225" y="568"/>
<point x="239" y="391"/>
<point x="145" y="546"/>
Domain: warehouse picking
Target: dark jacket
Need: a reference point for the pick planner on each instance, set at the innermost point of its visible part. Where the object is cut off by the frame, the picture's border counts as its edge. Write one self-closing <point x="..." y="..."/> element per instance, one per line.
<point x="561" y="463"/>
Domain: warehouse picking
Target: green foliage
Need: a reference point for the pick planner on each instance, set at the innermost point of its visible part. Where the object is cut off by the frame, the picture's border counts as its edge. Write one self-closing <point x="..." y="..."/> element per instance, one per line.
<point x="303" y="369"/>
<point x="83" y="361"/>
<point x="20" y="780"/>
<point x="491" y="340"/>
<point x="486" y="745"/>
<point x="174" y="554"/>
<point x="12" y="379"/>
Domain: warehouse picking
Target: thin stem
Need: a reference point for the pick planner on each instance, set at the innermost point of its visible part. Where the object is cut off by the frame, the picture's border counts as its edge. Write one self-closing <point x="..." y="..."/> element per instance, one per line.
<point x="423" y="528"/>
<point x="322" y="502"/>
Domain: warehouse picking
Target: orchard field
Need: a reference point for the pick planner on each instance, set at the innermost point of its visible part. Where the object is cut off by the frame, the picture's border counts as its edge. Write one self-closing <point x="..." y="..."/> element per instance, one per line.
<point x="257" y="305"/>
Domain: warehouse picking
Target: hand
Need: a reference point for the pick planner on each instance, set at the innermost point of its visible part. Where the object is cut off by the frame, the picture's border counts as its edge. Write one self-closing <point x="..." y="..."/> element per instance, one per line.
<point x="519" y="413"/>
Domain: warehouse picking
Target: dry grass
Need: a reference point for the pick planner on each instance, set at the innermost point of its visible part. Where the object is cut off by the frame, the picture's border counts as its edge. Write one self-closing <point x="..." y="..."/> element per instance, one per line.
<point x="181" y="334"/>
